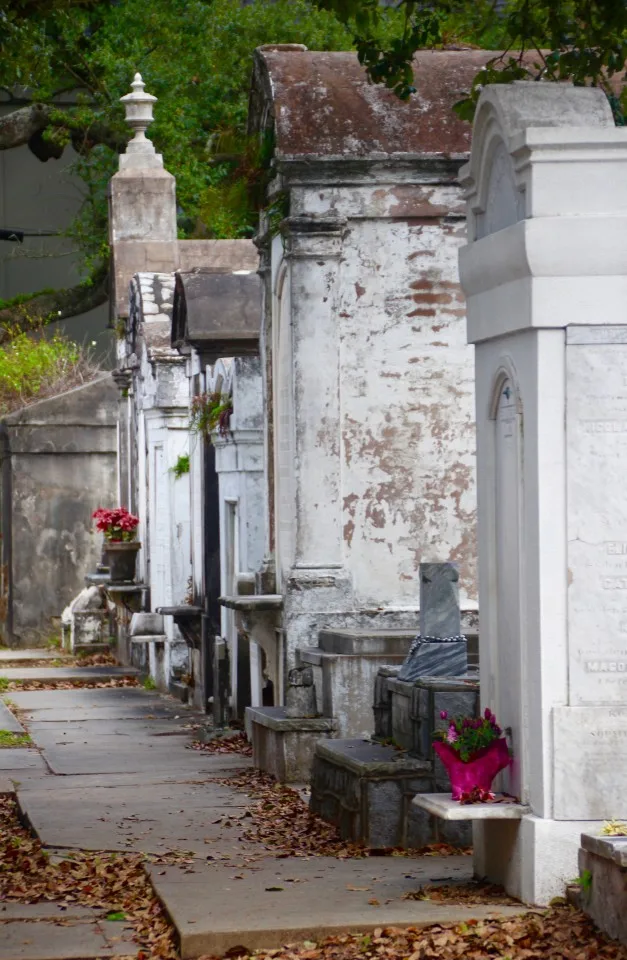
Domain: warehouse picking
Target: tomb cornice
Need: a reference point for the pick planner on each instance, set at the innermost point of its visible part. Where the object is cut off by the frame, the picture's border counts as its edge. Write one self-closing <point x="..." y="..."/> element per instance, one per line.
<point x="381" y="168"/>
<point x="546" y="272"/>
<point x="310" y="237"/>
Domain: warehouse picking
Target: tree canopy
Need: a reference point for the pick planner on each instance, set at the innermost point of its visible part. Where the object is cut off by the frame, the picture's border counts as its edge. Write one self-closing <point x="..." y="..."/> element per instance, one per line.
<point x="64" y="64"/>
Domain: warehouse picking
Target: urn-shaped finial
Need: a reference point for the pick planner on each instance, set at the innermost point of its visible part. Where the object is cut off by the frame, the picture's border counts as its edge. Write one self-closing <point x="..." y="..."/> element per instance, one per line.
<point x="138" y="105"/>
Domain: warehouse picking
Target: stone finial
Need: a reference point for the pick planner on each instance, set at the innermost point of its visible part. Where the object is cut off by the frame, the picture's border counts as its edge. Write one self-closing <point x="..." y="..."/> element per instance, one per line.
<point x="138" y="105"/>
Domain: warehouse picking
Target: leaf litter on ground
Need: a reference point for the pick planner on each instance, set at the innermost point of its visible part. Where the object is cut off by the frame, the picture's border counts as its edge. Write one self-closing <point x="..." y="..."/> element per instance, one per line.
<point x="236" y="744"/>
<point x="82" y="683"/>
<point x="472" y="893"/>
<point x="280" y="819"/>
<point x="112" y="883"/>
<point x="560" y="933"/>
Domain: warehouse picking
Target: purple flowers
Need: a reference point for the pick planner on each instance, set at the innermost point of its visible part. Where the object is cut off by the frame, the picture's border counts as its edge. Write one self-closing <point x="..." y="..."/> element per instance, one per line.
<point x="452" y="735"/>
<point x="443" y="715"/>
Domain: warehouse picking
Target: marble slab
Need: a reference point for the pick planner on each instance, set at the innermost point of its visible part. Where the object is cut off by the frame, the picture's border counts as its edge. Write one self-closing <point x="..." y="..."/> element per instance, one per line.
<point x="590" y="763"/>
<point x="443" y="806"/>
<point x="439" y="600"/>
<point x="597" y="520"/>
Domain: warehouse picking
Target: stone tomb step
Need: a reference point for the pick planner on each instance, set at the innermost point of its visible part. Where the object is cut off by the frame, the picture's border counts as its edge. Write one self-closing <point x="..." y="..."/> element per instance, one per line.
<point x="366" y="789"/>
<point x="284" y="746"/>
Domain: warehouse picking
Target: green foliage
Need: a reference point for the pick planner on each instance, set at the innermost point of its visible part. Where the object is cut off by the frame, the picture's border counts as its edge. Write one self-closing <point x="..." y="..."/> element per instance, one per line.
<point x="580" y="40"/>
<point x="149" y="684"/>
<point x="181" y="467"/>
<point x="195" y="56"/>
<point x="584" y="881"/>
<point x="210" y="411"/>
<point x="10" y="739"/>
<point x="31" y="366"/>
<point x="4" y="684"/>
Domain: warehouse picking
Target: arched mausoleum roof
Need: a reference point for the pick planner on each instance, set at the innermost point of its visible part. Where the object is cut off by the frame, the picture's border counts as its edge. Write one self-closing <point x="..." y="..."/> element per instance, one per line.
<point x="322" y="104"/>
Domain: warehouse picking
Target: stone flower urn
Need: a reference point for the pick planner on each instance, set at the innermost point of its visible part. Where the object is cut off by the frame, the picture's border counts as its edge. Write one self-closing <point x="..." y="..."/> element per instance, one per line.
<point x="121" y="559"/>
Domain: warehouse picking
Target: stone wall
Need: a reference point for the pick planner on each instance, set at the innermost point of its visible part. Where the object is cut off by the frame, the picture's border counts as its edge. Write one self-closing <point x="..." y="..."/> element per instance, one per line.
<point x="58" y="465"/>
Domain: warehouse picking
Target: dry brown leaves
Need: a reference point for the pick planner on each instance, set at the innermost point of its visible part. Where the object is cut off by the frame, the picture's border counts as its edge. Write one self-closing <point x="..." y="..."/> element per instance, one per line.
<point x="111" y="882"/>
<point x="238" y="744"/>
<point x="280" y="820"/>
<point x="561" y="933"/>
<point x="64" y="660"/>
<point x="73" y="684"/>
<point x="462" y="893"/>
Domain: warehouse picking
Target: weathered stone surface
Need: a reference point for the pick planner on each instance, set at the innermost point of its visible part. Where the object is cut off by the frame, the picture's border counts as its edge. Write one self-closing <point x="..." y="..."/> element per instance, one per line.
<point x="611" y="848"/>
<point x="605" y="898"/>
<point x="429" y="658"/>
<point x="382" y="706"/>
<point x="300" y="696"/>
<point x="366" y="789"/>
<point x="394" y="642"/>
<point x="62" y="456"/>
<point x="590" y="750"/>
<point x="284" y="746"/>
<point x="439" y="600"/>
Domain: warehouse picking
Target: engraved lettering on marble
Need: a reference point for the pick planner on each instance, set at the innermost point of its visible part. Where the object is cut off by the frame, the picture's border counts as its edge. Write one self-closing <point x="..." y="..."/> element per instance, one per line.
<point x="596" y="432"/>
<point x="590" y="752"/>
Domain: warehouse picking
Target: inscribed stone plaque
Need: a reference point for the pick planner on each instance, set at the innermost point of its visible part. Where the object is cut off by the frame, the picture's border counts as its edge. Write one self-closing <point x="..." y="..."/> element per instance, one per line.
<point x="590" y="779"/>
<point x="597" y="521"/>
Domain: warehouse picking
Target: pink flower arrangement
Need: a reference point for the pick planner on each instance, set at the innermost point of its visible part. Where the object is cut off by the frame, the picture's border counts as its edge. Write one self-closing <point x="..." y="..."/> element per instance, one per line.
<point x="467" y="736"/>
<point x="116" y="524"/>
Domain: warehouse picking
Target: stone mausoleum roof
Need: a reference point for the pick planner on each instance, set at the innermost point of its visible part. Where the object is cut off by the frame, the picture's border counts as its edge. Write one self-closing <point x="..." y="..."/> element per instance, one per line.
<point x="323" y="105"/>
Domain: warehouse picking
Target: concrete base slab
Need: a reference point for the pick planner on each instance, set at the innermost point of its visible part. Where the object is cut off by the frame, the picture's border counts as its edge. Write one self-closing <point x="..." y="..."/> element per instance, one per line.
<point x="153" y="818"/>
<point x="79" y="940"/>
<point x="47" y="911"/>
<point x="21" y="758"/>
<point x="277" y="902"/>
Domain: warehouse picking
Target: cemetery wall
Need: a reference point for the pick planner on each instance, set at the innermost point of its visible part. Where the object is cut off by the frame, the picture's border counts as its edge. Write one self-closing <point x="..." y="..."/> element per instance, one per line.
<point x="59" y="464"/>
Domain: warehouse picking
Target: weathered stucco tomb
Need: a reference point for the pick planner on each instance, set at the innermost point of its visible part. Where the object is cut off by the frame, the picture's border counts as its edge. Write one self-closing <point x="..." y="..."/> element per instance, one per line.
<point x="58" y="465"/>
<point x="545" y="277"/>
<point x="182" y="315"/>
<point x="368" y="378"/>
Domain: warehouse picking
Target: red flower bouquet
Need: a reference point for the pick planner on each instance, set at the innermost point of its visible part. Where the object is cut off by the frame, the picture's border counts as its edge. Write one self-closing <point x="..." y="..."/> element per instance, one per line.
<point x="117" y="524"/>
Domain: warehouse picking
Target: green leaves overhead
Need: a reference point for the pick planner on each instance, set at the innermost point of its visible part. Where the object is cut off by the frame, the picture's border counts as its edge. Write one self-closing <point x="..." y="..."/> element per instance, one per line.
<point x="584" y="41"/>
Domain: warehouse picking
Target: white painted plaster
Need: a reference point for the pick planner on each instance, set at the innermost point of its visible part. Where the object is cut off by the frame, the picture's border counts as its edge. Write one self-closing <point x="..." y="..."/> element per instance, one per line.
<point x="551" y="510"/>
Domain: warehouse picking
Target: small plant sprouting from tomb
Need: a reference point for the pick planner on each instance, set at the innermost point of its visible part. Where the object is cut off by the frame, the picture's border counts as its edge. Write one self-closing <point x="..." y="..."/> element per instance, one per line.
<point x="181" y="467"/>
<point x="211" y="411"/>
<point x="614" y="828"/>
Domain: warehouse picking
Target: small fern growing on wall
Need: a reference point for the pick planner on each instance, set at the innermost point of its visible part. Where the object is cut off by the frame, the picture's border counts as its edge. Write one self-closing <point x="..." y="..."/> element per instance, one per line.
<point x="181" y="467"/>
<point x="211" y="411"/>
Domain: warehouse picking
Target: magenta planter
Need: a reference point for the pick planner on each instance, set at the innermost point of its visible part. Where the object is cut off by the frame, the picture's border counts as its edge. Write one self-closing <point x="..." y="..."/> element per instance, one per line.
<point x="479" y="772"/>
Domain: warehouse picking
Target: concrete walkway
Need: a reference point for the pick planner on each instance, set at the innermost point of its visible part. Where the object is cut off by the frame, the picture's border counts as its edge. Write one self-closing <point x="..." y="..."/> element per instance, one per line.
<point x="111" y="772"/>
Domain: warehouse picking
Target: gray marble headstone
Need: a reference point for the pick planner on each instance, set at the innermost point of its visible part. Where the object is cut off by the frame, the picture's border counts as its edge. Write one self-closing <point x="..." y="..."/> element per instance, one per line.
<point x="439" y="618"/>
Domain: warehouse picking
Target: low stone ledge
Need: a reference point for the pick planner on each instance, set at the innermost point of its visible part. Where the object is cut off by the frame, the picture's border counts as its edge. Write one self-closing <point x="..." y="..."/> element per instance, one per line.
<point x="611" y="848"/>
<point x="284" y="746"/>
<point x="252" y="603"/>
<point x="604" y="897"/>
<point x="275" y="719"/>
<point x="368" y="758"/>
<point x="443" y="806"/>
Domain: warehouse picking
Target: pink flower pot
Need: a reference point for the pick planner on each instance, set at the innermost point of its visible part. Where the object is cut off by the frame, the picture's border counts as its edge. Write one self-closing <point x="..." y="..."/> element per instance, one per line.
<point x="479" y="772"/>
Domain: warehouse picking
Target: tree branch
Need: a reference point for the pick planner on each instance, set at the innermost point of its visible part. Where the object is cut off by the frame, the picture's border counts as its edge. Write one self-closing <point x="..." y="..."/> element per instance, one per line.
<point x="51" y="306"/>
<point x="17" y="127"/>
